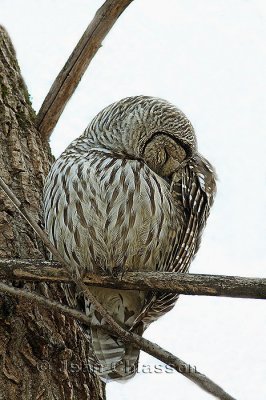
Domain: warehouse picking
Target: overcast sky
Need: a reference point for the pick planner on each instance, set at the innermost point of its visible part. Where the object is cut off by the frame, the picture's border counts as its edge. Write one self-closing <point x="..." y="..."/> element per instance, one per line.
<point x="209" y="58"/>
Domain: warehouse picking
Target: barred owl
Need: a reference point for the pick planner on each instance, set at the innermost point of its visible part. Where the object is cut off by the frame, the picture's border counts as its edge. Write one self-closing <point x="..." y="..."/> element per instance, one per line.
<point x="130" y="194"/>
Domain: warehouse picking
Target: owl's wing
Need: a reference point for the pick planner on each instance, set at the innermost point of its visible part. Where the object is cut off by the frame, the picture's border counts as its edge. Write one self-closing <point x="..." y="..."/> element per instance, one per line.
<point x="194" y="187"/>
<point x="198" y="189"/>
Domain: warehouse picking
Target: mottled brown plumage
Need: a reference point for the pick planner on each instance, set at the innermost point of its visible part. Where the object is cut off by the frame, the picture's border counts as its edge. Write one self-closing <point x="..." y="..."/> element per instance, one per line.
<point x="131" y="193"/>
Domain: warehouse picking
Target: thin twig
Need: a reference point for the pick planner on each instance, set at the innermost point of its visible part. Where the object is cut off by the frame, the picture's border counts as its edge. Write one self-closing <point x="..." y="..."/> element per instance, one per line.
<point x="69" y="77"/>
<point x="187" y="284"/>
<point x="141" y="343"/>
<point x="128" y="337"/>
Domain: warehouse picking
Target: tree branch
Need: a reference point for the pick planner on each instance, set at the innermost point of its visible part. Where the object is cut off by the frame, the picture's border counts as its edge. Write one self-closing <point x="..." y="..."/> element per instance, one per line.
<point x="143" y="344"/>
<point x="126" y="336"/>
<point x="188" y="284"/>
<point x="69" y="77"/>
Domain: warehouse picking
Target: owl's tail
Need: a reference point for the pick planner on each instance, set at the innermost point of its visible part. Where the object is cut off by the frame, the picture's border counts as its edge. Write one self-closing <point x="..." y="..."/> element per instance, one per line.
<point x="110" y="358"/>
<point x="113" y="360"/>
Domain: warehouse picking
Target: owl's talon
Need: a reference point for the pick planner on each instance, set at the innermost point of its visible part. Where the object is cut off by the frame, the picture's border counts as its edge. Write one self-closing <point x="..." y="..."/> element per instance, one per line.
<point x="117" y="272"/>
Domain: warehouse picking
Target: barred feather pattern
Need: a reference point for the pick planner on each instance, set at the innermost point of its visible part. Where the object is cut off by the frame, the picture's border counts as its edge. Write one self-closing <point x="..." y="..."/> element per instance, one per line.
<point x="130" y="194"/>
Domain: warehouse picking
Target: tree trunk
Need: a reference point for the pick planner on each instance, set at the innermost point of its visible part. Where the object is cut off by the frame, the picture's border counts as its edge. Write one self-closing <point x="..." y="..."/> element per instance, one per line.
<point x="43" y="355"/>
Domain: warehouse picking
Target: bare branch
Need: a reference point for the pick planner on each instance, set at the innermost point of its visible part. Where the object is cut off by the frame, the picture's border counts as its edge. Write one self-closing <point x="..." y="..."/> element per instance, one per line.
<point x="149" y="347"/>
<point x="188" y="284"/>
<point x="127" y="336"/>
<point x="69" y="77"/>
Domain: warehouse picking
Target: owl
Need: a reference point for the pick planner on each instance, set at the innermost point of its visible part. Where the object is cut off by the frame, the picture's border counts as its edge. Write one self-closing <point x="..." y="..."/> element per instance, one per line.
<point x="132" y="193"/>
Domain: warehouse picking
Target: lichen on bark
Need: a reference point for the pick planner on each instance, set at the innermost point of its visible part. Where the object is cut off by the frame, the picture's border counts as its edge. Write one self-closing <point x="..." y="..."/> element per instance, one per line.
<point x="43" y="355"/>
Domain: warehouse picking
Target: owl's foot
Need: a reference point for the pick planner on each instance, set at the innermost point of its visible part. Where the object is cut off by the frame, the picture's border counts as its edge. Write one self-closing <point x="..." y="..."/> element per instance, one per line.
<point x="118" y="272"/>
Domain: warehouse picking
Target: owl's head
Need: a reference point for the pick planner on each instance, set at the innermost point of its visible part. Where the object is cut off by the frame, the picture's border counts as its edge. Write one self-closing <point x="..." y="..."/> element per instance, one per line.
<point x="147" y="128"/>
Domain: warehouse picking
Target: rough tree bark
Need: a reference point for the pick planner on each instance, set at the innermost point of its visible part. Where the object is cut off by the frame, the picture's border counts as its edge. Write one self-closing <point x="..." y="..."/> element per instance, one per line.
<point x="43" y="354"/>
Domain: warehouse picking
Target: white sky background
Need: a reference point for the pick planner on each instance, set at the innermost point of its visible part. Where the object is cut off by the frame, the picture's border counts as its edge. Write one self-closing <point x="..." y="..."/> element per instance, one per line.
<point x="209" y="58"/>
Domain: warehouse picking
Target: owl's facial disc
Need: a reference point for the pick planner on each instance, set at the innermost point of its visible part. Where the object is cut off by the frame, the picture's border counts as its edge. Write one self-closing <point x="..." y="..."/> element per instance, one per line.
<point x="163" y="154"/>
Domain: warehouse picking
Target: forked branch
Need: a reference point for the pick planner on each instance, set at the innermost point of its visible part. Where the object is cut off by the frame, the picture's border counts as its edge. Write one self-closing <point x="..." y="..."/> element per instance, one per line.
<point x="70" y="75"/>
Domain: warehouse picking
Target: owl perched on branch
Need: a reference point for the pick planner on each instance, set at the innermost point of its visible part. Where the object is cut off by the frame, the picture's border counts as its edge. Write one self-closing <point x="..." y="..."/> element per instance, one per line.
<point x="130" y="194"/>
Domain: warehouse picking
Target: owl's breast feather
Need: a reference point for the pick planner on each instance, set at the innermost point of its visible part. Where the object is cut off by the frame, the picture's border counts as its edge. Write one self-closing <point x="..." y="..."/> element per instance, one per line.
<point x="111" y="212"/>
